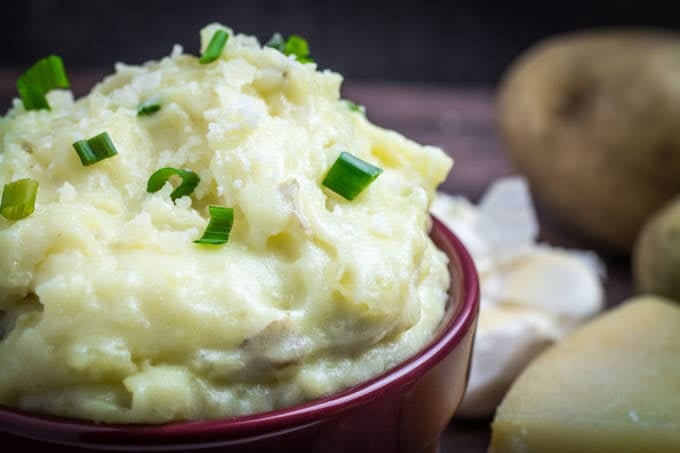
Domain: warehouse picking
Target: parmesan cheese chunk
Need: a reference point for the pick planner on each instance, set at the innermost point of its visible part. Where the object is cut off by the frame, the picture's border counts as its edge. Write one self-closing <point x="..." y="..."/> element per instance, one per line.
<point x="532" y="294"/>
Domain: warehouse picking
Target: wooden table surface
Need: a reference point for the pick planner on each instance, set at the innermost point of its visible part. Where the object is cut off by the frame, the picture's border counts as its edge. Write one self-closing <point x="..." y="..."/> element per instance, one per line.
<point x="459" y="120"/>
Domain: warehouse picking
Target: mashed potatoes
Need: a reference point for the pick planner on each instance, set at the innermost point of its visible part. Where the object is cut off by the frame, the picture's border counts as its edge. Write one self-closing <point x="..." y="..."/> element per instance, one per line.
<point x="109" y="310"/>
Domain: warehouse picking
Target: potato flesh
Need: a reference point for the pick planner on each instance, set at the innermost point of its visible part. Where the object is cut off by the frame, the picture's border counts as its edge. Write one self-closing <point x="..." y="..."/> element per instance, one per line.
<point x="612" y="385"/>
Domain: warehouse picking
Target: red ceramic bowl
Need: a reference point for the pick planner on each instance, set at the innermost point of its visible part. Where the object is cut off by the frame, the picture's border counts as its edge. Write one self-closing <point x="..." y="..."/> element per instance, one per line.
<point x="403" y="410"/>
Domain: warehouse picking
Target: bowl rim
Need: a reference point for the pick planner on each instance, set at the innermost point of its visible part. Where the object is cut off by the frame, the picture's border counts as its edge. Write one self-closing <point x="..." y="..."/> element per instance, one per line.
<point x="452" y="329"/>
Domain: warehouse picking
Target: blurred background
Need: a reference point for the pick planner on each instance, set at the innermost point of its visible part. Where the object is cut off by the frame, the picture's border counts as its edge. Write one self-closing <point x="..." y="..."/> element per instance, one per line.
<point x="463" y="42"/>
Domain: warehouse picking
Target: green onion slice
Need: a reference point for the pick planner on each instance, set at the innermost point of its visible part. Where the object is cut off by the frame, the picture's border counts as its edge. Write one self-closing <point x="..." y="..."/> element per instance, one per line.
<point x="18" y="199"/>
<point x="349" y="176"/>
<point x="218" y="229"/>
<point x="45" y="75"/>
<point x="148" y="107"/>
<point x="295" y="45"/>
<point x="277" y="42"/>
<point x="94" y="149"/>
<point x="189" y="181"/>
<point x="354" y="107"/>
<point x="214" y="49"/>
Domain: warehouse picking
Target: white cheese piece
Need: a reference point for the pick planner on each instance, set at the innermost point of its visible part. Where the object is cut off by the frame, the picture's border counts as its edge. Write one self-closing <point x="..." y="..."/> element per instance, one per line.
<point x="507" y="339"/>
<point x="531" y="294"/>
<point x="507" y="220"/>
<point x="553" y="281"/>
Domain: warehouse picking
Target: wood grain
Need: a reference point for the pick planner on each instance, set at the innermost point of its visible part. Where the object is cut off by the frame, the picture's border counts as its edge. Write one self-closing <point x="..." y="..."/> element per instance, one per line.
<point x="460" y="121"/>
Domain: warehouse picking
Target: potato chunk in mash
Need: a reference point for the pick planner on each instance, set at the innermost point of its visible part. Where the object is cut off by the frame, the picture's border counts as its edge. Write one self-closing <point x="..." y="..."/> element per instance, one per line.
<point x="111" y="312"/>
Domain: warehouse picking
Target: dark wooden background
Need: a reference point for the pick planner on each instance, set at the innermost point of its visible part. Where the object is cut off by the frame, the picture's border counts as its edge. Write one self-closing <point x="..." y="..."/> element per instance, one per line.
<point x="448" y="42"/>
<point x="461" y="121"/>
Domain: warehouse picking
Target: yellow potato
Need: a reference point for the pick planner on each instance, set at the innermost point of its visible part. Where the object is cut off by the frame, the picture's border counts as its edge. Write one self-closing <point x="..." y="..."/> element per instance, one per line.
<point x="593" y="119"/>
<point x="656" y="257"/>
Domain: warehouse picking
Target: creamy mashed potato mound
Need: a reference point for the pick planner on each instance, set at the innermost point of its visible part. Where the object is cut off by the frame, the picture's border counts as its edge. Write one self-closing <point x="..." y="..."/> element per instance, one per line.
<point x="110" y="312"/>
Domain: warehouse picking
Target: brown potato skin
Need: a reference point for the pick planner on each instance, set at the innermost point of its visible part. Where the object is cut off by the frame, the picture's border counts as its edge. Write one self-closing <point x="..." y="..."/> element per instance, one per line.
<point x="593" y="120"/>
<point x="656" y="256"/>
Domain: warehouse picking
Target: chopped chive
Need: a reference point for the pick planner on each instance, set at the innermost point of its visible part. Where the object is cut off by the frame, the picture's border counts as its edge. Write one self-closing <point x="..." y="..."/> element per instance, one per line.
<point x="349" y="176"/>
<point x="158" y="179"/>
<point x="219" y="227"/>
<point x="32" y="98"/>
<point x="45" y="75"/>
<point x="295" y="45"/>
<point x="18" y="199"/>
<point x="148" y="107"/>
<point x="354" y="107"/>
<point x="214" y="49"/>
<point x="277" y="42"/>
<point x="94" y="149"/>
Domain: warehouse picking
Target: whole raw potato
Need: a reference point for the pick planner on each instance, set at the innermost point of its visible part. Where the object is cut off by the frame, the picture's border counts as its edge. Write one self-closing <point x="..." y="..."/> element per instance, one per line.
<point x="593" y="120"/>
<point x="656" y="256"/>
